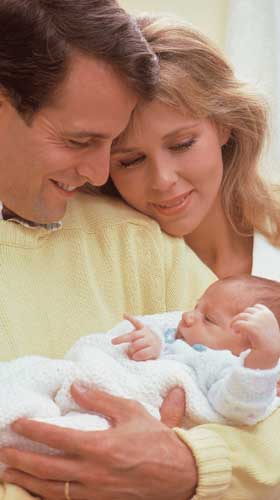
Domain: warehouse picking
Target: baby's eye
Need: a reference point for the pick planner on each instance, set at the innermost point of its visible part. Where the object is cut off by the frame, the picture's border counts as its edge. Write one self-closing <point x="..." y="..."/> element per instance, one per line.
<point x="209" y="320"/>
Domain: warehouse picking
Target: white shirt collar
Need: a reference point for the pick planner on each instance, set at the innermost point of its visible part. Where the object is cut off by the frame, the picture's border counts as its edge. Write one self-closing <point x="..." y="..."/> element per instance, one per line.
<point x="52" y="226"/>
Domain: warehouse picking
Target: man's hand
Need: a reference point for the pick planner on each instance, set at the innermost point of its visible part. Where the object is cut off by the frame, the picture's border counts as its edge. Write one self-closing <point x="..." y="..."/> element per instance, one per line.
<point x="144" y="344"/>
<point x="138" y="458"/>
<point x="261" y="330"/>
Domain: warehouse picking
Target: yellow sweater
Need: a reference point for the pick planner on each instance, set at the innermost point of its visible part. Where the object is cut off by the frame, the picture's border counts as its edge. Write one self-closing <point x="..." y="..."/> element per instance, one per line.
<point x="108" y="259"/>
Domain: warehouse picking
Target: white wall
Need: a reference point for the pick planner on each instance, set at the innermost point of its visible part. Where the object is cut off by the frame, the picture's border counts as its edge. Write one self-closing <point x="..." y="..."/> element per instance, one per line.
<point x="207" y="15"/>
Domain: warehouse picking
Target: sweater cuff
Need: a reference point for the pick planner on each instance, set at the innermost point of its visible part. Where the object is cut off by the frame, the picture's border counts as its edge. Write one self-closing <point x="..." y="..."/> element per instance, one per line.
<point x="213" y="462"/>
<point x="13" y="492"/>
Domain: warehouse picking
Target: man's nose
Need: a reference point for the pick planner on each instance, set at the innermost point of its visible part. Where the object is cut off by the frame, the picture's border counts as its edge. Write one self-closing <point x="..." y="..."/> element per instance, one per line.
<point x="95" y="168"/>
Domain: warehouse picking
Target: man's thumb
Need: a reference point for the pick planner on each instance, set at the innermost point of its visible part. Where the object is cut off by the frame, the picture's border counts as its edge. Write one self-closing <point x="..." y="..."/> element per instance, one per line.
<point x="173" y="407"/>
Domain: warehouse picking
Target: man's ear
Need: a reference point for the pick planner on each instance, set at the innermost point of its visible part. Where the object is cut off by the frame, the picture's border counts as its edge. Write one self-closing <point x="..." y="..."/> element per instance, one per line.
<point x="6" y="107"/>
<point x="4" y="101"/>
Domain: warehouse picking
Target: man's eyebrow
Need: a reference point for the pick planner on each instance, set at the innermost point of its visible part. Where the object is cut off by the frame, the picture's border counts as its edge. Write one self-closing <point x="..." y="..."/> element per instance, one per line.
<point x="86" y="133"/>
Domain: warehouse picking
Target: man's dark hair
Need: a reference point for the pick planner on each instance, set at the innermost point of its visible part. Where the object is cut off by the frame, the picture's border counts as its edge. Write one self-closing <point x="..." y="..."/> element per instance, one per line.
<point x="260" y="290"/>
<point x="38" y="38"/>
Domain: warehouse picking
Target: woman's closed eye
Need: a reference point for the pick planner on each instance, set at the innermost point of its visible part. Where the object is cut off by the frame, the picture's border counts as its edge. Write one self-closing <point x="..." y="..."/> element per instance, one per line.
<point x="182" y="146"/>
<point x="131" y="162"/>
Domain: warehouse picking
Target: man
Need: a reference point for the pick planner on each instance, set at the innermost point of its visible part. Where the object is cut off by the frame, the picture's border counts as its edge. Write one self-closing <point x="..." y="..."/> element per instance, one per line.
<point x="70" y="75"/>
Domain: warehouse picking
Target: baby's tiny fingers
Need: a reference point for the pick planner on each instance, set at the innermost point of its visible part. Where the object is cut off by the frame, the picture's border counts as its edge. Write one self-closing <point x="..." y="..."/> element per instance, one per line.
<point x="144" y="354"/>
<point x="121" y="339"/>
<point x="241" y="326"/>
<point x="134" y="321"/>
<point x="260" y="306"/>
<point x="251" y="310"/>
<point x="127" y="337"/>
<point x="137" y="345"/>
<point x="241" y="317"/>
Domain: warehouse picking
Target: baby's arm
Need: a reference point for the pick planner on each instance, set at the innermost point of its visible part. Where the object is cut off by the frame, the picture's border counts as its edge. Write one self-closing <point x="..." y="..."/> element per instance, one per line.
<point x="244" y="395"/>
<point x="261" y="330"/>
<point x="144" y="344"/>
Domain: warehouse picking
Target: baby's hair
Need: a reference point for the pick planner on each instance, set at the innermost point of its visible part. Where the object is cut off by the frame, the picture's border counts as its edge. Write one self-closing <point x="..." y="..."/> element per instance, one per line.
<point x="260" y="290"/>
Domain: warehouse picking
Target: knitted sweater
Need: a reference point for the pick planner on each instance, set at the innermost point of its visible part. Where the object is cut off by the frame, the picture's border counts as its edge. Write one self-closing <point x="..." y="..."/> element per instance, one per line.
<point x="108" y="259"/>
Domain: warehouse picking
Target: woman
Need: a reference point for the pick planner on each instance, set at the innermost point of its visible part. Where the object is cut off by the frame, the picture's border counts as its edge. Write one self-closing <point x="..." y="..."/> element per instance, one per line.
<point x="189" y="160"/>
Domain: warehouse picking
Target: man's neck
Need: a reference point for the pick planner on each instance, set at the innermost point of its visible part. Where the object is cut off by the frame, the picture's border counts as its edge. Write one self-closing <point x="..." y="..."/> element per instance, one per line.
<point x="7" y="214"/>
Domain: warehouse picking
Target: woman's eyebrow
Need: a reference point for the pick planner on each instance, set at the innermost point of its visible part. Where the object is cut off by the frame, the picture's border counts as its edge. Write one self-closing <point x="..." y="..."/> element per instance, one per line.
<point x="181" y="129"/>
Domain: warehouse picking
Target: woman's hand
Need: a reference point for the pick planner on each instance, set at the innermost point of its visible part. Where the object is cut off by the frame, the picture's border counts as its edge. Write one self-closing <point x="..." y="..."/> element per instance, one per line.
<point x="144" y="344"/>
<point x="138" y="458"/>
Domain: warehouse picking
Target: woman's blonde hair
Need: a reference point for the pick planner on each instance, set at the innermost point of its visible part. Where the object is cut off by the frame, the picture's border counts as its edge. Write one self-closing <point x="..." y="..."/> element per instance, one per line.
<point x="194" y="75"/>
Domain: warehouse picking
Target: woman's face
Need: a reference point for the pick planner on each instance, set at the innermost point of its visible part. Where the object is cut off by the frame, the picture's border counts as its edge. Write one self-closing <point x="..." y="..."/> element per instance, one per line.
<point x="169" y="166"/>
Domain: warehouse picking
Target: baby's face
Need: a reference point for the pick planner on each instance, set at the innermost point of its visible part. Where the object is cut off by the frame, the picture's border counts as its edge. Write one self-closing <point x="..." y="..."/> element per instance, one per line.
<point x="210" y="322"/>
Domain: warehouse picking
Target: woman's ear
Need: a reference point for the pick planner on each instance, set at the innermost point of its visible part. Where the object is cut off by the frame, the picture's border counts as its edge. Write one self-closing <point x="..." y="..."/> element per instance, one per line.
<point x="224" y="134"/>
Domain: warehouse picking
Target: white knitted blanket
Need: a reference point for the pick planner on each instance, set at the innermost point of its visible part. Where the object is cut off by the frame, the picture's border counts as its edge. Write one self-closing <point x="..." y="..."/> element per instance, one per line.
<point x="37" y="387"/>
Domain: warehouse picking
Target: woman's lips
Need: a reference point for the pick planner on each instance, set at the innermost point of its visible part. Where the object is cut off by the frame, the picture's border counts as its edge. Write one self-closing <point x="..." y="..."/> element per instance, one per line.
<point x="174" y="205"/>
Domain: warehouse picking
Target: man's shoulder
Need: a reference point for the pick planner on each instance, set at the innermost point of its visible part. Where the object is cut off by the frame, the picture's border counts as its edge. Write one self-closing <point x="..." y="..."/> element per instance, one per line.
<point x="96" y="212"/>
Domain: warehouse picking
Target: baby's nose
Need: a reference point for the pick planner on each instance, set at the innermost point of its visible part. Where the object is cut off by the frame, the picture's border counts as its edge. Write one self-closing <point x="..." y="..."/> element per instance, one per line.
<point x="188" y="318"/>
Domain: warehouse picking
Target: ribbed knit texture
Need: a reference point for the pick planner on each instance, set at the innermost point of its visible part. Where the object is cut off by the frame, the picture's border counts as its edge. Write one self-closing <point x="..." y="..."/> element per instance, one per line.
<point x="213" y="461"/>
<point x="12" y="492"/>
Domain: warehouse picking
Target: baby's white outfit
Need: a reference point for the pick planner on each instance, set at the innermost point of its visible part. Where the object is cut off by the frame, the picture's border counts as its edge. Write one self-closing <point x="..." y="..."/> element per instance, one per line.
<point x="218" y="387"/>
<point x="241" y="395"/>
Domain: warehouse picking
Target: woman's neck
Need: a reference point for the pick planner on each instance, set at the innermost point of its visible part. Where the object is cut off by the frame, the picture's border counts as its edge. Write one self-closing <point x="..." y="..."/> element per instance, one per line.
<point x="217" y="244"/>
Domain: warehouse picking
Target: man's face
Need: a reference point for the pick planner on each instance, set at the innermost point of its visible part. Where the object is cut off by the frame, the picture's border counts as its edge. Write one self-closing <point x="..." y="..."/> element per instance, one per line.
<point x="67" y="144"/>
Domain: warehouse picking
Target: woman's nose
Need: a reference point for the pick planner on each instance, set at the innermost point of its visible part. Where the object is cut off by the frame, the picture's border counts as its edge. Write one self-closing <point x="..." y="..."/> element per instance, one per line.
<point x="163" y="175"/>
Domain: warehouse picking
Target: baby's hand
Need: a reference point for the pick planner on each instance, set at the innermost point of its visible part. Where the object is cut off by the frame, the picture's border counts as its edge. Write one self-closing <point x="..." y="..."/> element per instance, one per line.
<point x="144" y="344"/>
<point x="260" y="328"/>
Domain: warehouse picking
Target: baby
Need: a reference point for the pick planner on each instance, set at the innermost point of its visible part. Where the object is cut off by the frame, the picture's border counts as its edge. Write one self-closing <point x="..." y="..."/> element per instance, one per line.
<point x="238" y="314"/>
<point x="224" y="353"/>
